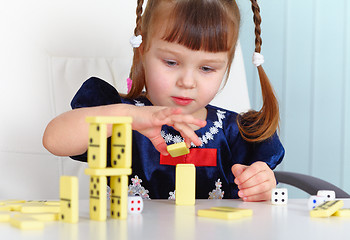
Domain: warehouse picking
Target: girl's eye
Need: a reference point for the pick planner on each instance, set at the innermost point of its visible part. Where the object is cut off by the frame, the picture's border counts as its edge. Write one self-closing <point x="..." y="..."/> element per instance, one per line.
<point x="170" y="63"/>
<point x="207" y="69"/>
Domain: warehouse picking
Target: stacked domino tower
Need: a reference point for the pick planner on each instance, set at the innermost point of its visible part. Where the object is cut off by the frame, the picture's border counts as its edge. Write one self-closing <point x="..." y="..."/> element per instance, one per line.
<point x="121" y="166"/>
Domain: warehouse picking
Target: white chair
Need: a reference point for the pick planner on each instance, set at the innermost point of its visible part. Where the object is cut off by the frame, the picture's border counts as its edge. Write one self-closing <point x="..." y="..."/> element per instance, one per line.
<point x="48" y="49"/>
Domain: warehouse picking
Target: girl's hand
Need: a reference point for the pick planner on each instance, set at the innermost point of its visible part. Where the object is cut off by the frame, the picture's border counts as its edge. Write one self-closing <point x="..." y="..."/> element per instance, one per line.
<point x="149" y="120"/>
<point x="255" y="182"/>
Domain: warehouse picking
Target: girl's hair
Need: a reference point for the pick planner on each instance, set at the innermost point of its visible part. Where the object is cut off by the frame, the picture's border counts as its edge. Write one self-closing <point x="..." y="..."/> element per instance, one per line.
<point x="209" y="25"/>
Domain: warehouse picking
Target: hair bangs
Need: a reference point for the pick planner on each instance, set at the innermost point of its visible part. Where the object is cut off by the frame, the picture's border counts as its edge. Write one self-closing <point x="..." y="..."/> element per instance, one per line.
<point x="199" y="26"/>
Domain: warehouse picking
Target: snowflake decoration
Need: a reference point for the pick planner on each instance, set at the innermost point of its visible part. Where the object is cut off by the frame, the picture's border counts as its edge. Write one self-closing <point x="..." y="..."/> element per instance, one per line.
<point x="218" y="124"/>
<point x="205" y="138"/>
<point x="213" y="130"/>
<point x="171" y="195"/>
<point x="217" y="193"/>
<point x="209" y="136"/>
<point x="162" y="133"/>
<point x="135" y="189"/>
<point x="136" y="180"/>
<point x="168" y="138"/>
<point x="177" y="139"/>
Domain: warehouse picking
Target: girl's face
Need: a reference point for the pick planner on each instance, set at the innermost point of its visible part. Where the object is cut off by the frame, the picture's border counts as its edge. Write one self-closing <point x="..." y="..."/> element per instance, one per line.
<point x="179" y="77"/>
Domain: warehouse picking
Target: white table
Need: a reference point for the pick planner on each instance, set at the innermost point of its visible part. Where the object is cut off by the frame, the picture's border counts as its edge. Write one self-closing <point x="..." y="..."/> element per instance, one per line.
<point x="162" y="219"/>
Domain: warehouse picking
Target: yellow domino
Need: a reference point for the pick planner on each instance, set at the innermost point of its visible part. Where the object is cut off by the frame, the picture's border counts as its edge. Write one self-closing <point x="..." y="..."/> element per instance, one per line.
<point x="98" y="198"/>
<point x="220" y="213"/>
<point x="327" y="209"/>
<point x="119" y="197"/>
<point x="178" y="149"/>
<point x="39" y="208"/>
<point x="97" y="148"/>
<point x="52" y="203"/>
<point x="185" y="184"/>
<point x="344" y="212"/>
<point x="109" y="119"/>
<point x="9" y="201"/>
<point x="26" y="223"/>
<point x="107" y="171"/>
<point x="43" y="217"/>
<point x="5" y="208"/>
<point x="5" y="216"/>
<point x="121" y="146"/>
<point x="69" y="197"/>
<point x="244" y="211"/>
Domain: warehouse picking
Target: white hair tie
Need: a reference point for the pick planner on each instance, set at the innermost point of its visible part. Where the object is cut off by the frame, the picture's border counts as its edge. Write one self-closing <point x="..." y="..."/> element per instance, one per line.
<point x="136" y="41"/>
<point x="258" y="59"/>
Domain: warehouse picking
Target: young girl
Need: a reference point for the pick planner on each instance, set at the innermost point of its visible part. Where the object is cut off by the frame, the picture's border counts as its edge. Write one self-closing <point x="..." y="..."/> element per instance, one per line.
<point x="187" y="47"/>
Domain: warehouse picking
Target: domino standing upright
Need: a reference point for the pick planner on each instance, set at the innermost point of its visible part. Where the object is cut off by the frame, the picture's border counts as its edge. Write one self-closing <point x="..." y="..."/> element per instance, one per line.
<point x="185" y="184"/>
<point x="69" y="199"/>
<point x="121" y="158"/>
<point x="121" y="166"/>
<point x="97" y="158"/>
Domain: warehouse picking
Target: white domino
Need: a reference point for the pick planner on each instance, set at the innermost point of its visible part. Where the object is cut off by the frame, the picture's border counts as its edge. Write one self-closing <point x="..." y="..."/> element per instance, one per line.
<point x="279" y="196"/>
<point x="314" y="201"/>
<point x="330" y="195"/>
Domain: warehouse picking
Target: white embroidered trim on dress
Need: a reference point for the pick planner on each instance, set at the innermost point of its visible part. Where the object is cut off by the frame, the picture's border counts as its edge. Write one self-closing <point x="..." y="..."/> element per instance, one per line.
<point x="205" y="138"/>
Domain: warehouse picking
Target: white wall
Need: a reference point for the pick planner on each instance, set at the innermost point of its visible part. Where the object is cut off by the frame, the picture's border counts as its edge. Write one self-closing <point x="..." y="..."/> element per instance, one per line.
<point x="47" y="50"/>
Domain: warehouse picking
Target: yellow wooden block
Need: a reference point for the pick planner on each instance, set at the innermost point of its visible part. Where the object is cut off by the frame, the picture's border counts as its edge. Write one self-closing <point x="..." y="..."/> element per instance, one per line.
<point x="52" y="203"/>
<point x="119" y="197"/>
<point x="39" y="208"/>
<point x="344" y="212"/>
<point x="3" y="202"/>
<point x="326" y="209"/>
<point x="5" y="208"/>
<point x="185" y="184"/>
<point x="107" y="171"/>
<point x="178" y="149"/>
<point x="26" y="223"/>
<point x="244" y="211"/>
<point x="109" y="119"/>
<point x="220" y="213"/>
<point x="97" y="148"/>
<point x="5" y="216"/>
<point x="44" y="217"/>
<point x="121" y="143"/>
<point x="69" y="196"/>
<point x="98" y="198"/>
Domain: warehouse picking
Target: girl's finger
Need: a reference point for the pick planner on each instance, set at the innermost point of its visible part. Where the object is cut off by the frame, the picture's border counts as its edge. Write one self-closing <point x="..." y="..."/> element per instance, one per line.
<point x="260" y="177"/>
<point x="257" y="189"/>
<point x="159" y="143"/>
<point x="188" y="134"/>
<point x="251" y="171"/>
<point x="264" y="196"/>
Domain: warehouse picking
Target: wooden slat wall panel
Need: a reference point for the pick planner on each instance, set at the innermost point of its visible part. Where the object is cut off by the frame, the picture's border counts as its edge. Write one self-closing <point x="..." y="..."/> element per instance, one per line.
<point x="346" y="121"/>
<point x="306" y="50"/>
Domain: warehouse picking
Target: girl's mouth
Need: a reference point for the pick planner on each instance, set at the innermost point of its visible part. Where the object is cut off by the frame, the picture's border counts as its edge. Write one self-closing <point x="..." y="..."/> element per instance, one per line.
<point x="182" y="101"/>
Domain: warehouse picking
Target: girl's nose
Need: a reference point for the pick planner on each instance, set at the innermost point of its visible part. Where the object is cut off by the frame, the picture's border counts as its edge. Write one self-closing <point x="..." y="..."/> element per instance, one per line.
<point x="186" y="80"/>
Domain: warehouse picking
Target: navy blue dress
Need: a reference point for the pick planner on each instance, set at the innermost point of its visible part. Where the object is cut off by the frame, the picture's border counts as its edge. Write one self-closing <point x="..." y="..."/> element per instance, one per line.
<point x="221" y="133"/>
